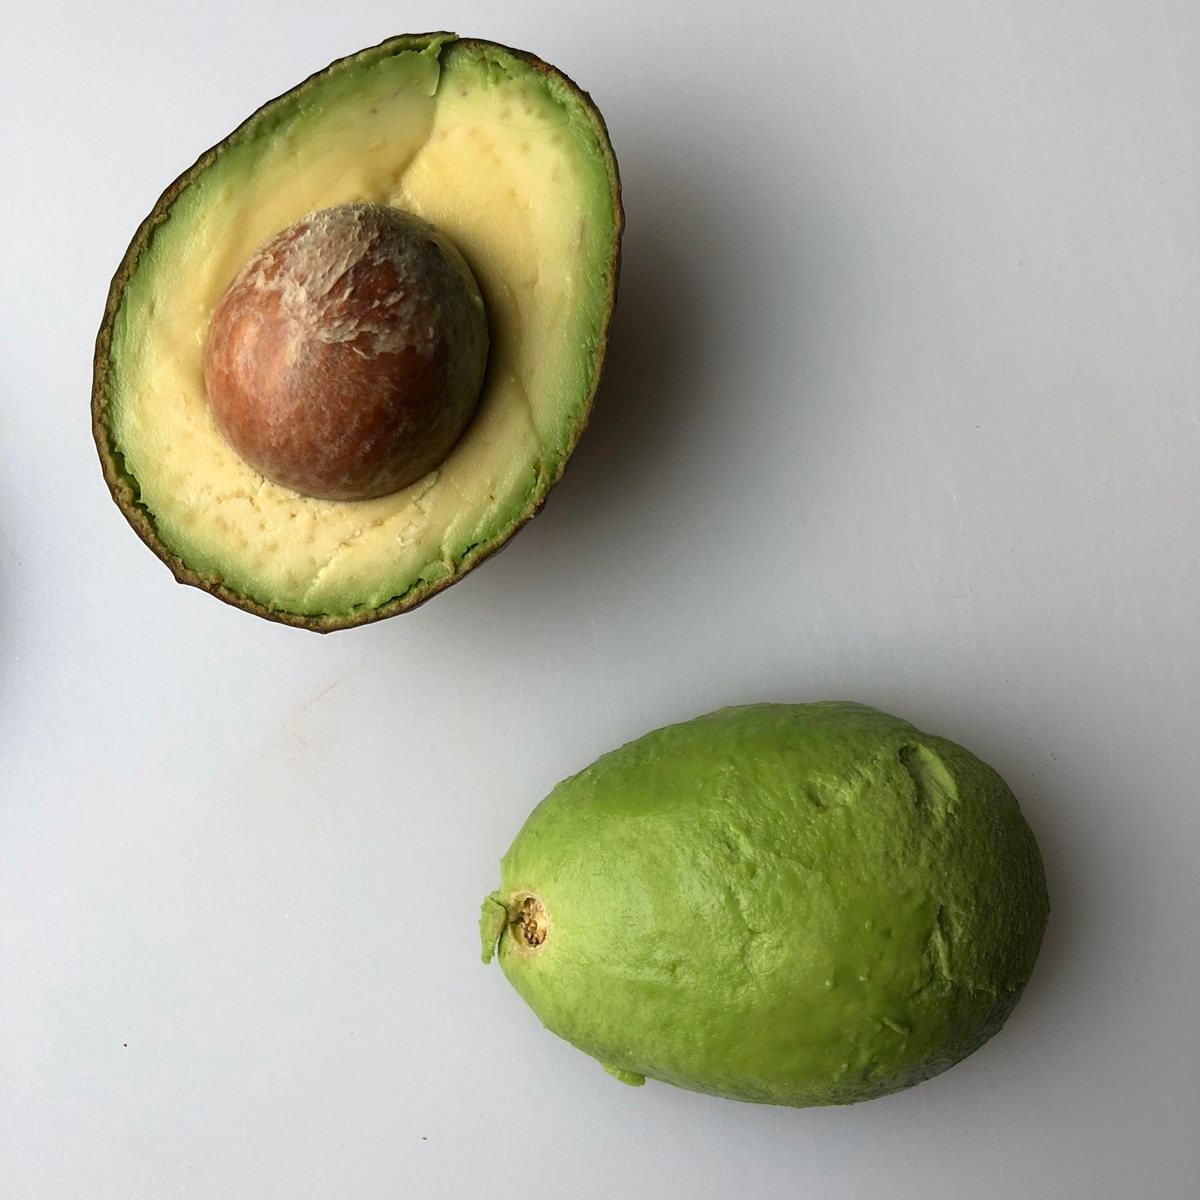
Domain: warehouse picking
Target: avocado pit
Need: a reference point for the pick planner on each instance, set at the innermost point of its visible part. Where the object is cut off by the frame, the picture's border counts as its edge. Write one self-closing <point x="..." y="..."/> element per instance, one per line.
<point x="348" y="354"/>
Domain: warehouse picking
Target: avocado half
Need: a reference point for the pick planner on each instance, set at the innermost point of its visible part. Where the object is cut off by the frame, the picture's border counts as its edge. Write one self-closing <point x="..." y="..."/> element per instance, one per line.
<point x="510" y="160"/>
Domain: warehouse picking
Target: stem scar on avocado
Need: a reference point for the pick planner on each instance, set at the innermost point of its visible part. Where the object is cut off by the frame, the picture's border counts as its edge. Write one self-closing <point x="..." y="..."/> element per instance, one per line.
<point x="430" y="229"/>
<point x="528" y="922"/>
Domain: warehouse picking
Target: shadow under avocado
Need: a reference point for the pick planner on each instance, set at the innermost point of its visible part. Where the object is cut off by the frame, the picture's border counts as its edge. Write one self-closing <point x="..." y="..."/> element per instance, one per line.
<point x="7" y="563"/>
<point x="668" y="426"/>
<point x="660" y="344"/>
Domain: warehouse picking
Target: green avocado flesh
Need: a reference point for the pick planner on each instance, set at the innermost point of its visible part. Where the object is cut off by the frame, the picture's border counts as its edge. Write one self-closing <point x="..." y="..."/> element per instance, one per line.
<point x="512" y="163"/>
<point x="787" y="904"/>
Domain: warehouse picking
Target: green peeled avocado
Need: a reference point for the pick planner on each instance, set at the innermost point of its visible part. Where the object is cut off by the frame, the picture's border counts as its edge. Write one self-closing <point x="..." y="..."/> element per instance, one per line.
<point x="787" y="904"/>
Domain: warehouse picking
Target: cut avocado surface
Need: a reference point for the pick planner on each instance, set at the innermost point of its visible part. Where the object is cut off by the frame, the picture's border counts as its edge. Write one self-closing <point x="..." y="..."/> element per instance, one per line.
<point x="789" y="904"/>
<point x="509" y="160"/>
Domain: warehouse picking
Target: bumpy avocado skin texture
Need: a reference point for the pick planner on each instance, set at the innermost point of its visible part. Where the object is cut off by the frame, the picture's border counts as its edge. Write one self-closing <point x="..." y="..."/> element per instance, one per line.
<point x="380" y="126"/>
<point x="787" y="904"/>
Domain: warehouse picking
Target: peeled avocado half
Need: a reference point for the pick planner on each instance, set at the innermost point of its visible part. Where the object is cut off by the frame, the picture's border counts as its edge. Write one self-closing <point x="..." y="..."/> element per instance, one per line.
<point x="506" y="158"/>
<point x="790" y="904"/>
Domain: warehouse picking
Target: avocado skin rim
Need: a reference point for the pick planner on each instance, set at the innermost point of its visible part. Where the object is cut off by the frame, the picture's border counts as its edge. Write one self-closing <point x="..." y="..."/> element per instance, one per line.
<point x="123" y="487"/>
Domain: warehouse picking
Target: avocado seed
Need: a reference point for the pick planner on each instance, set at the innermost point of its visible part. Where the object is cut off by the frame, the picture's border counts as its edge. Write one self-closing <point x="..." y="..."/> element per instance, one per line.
<point x="347" y="355"/>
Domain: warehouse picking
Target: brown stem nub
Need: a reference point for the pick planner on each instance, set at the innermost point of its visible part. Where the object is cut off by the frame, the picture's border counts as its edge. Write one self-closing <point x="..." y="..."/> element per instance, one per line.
<point x="529" y="922"/>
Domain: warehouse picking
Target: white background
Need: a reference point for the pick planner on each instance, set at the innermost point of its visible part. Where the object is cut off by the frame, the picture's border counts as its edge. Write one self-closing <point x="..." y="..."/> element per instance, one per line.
<point x="901" y="406"/>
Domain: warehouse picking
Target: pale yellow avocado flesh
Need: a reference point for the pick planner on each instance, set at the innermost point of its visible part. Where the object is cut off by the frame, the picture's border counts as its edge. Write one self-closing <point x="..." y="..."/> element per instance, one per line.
<point x="502" y="157"/>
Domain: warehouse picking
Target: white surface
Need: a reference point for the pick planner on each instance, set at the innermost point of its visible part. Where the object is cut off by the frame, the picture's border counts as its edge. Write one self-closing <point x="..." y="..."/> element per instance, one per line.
<point x="901" y="407"/>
